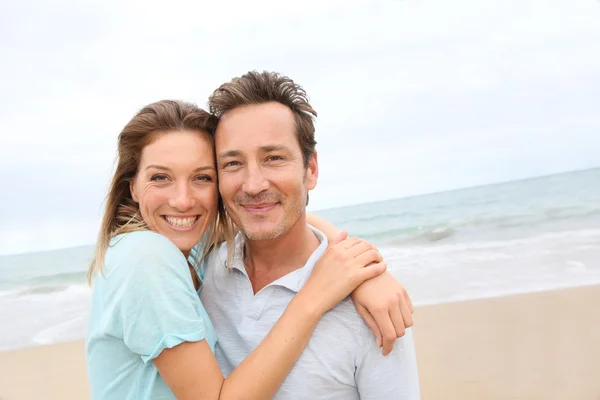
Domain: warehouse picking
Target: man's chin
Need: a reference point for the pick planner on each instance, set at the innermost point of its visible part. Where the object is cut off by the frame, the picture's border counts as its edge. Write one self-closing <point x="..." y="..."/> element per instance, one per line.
<point x="261" y="233"/>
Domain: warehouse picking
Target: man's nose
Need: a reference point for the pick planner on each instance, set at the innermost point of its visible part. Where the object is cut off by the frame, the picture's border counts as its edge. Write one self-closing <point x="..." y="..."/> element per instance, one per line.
<point x="255" y="181"/>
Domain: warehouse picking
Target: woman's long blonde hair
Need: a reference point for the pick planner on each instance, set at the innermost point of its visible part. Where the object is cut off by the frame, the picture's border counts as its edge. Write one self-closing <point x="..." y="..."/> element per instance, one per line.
<point x="122" y="214"/>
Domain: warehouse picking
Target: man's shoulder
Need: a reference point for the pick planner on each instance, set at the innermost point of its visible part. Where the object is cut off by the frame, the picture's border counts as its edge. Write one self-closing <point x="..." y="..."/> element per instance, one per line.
<point x="344" y="317"/>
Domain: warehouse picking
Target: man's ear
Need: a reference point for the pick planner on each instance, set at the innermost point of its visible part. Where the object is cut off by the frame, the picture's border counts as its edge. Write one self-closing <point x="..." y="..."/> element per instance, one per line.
<point x="312" y="172"/>
<point x="131" y="189"/>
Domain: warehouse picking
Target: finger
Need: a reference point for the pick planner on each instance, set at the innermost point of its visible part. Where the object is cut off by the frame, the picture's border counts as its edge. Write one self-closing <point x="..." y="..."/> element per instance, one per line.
<point x="370" y="244"/>
<point x="406" y="316"/>
<point x="370" y="321"/>
<point x="388" y="332"/>
<point x="370" y="271"/>
<point x="408" y="302"/>
<point x="359" y="248"/>
<point x="343" y="235"/>
<point x="368" y="257"/>
<point x="397" y="318"/>
<point x="350" y="242"/>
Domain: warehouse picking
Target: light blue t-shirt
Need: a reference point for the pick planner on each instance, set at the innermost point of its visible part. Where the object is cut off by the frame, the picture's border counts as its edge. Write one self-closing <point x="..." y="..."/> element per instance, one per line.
<point x="143" y="302"/>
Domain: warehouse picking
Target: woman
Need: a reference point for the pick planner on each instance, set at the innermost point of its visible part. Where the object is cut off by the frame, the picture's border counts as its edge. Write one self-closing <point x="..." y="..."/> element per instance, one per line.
<point x="163" y="217"/>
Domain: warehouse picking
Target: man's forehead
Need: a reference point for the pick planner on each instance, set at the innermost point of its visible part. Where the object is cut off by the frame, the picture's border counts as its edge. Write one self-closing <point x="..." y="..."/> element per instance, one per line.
<point x="257" y="118"/>
<point x="256" y="127"/>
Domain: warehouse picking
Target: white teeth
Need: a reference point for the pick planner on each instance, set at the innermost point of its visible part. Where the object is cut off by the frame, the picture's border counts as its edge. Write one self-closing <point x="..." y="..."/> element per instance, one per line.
<point x="181" y="222"/>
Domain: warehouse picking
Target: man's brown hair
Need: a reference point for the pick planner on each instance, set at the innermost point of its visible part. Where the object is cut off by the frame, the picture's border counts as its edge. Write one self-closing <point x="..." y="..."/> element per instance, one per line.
<point x="263" y="87"/>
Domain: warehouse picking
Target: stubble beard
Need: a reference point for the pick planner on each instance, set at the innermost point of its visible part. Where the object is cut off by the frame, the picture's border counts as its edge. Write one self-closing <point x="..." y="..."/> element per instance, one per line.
<point x="290" y="217"/>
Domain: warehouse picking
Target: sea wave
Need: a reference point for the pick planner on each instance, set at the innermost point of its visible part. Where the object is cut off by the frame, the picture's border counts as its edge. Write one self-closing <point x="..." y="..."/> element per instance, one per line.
<point x="43" y="284"/>
<point x="33" y="317"/>
<point x="541" y="212"/>
<point x="8" y="293"/>
<point x="72" y="329"/>
<point x="585" y="239"/>
<point x="60" y="279"/>
<point x="429" y="234"/>
<point x="418" y="234"/>
<point x="472" y="228"/>
<point x="43" y="290"/>
<point x="46" y="292"/>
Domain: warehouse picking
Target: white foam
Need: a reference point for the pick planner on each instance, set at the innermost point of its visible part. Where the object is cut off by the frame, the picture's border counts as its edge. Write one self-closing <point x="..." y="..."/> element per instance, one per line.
<point x="69" y="330"/>
<point x="460" y="271"/>
<point x="588" y="238"/>
<point x="8" y="293"/>
<point x="576" y="266"/>
<point x="44" y="318"/>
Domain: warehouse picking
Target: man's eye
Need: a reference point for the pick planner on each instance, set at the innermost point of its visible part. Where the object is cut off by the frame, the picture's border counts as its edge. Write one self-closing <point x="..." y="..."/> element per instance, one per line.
<point x="231" y="164"/>
<point x="274" y="158"/>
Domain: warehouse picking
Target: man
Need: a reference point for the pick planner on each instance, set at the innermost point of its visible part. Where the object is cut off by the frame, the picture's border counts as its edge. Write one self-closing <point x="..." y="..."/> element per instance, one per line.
<point x="267" y="163"/>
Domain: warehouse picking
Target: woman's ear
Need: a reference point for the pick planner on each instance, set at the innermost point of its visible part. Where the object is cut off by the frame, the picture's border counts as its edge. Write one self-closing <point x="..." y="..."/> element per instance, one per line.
<point x="132" y="190"/>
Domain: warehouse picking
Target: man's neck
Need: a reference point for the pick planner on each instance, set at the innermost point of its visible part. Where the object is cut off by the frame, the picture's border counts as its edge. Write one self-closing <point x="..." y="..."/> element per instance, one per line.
<point x="268" y="260"/>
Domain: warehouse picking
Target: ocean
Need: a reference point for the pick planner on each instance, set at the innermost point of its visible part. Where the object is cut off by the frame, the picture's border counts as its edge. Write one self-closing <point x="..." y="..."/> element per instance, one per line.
<point x="515" y="237"/>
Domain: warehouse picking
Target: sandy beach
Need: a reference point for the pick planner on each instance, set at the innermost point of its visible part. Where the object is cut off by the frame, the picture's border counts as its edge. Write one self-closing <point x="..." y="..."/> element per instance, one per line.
<point x="542" y="345"/>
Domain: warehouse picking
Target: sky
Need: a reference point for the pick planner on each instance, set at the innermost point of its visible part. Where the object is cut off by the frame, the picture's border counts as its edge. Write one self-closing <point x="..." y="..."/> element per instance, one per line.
<point x="413" y="96"/>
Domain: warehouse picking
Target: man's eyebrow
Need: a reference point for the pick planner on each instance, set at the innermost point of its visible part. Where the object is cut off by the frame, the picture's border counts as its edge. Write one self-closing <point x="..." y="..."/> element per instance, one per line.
<point x="274" y="147"/>
<point x="265" y="149"/>
<point x="230" y="153"/>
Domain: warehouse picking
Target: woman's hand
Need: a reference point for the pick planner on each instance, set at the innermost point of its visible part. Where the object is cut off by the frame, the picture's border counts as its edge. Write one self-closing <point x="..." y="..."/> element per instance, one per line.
<point x="385" y="305"/>
<point x="346" y="263"/>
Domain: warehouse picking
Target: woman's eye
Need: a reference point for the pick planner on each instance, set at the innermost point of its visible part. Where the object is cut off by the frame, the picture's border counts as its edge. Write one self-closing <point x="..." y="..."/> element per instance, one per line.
<point x="204" y="178"/>
<point x="158" y="177"/>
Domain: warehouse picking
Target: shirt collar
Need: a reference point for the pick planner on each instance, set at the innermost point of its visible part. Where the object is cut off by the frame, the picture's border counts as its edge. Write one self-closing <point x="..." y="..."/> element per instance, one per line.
<point x="295" y="280"/>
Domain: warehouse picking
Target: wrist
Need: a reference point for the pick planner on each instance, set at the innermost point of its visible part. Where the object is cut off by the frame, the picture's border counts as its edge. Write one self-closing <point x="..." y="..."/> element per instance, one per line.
<point x="308" y="305"/>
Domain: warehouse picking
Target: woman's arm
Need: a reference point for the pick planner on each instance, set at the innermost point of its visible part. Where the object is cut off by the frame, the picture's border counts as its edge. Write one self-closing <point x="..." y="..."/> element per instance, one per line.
<point x="329" y="229"/>
<point x="191" y="370"/>
<point x="383" y="302"/>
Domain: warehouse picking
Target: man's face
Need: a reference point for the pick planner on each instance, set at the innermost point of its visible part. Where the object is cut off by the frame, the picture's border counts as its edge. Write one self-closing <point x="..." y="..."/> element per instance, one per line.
<point x="262" y="178"/>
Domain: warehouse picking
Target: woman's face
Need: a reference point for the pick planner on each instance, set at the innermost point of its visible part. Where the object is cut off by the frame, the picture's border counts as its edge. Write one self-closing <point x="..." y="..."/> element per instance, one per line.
<point x="176" y="186"/>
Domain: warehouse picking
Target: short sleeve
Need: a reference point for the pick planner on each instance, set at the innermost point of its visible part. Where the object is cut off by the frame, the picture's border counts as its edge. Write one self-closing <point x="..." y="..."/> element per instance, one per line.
<point x="393" y="376"/>
<point x="154" y="297"/>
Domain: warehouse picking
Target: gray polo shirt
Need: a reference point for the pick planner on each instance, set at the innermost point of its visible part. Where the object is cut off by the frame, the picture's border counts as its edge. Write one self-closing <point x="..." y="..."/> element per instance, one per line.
<point x="341" y="360"/>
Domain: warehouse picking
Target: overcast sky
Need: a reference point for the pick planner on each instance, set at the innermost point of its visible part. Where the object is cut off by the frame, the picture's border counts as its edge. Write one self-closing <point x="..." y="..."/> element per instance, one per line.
<point x="414" y="96"/>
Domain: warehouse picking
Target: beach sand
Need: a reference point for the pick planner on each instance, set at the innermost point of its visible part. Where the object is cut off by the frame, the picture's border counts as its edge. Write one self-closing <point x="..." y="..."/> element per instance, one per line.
<point x="532" y="346"/>
<point x="47" y="372"/>
<point x="542" y="345"/>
